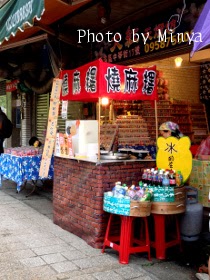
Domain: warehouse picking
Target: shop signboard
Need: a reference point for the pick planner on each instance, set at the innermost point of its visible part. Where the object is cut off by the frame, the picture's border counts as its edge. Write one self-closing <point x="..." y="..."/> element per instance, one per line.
<point x="63" y="145"/>
<point x="175" y="154"/>
<point x="164" y="32"/>
<point x="17" y="15"/>
<point x="100" y="79"/>
<point x="11" y="86"/>
<point x="51" y="129"/>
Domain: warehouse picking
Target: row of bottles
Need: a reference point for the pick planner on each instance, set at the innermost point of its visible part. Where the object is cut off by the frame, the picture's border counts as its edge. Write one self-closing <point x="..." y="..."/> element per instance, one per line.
<point x="162" y="177"/>
<point x="139" y="193"/>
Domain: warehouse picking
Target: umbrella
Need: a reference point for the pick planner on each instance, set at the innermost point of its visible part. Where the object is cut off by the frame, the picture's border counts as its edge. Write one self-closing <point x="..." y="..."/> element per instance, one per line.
<point x="202" y="26"/>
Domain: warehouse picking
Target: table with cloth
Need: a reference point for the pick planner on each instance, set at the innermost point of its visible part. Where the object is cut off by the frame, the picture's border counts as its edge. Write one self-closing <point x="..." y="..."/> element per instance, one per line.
<point x="21" y="169"/>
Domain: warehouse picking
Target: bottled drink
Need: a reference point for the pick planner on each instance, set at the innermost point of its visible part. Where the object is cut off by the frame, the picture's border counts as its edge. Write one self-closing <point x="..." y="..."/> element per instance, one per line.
<point x="165" y="181"/>
<point x="160" y="177"/>
<point x="141" y="184"/>
<point x="116" y="187"/>
<point x="154" y="178"/>
<point x="147" y="196"/>
<point x="153" y="175"/>
<point x="149" y="177"/>
<point x="144" y="176"/>
<point x="179" y="178"/>
<point x="139" y="192"/>
<point x="172" y="179"/>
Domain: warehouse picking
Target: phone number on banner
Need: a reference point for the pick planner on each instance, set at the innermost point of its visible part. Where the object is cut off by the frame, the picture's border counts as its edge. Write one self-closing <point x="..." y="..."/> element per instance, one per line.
<point x="169" y="41"/>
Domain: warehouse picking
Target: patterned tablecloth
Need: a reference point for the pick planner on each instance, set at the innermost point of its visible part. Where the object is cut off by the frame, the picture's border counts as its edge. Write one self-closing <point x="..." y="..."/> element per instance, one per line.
<point x="22" y="169"/>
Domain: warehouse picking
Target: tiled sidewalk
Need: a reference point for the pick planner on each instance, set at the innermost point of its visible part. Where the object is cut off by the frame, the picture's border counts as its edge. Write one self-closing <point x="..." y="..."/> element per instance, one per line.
<point x="32" y="247"/>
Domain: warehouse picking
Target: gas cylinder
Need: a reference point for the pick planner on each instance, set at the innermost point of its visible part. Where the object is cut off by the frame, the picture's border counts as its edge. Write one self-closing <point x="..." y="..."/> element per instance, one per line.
<point x="191" y="221"/>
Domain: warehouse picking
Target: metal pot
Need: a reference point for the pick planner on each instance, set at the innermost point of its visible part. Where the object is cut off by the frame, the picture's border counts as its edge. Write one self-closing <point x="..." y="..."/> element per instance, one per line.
<point x="113" y="156"/>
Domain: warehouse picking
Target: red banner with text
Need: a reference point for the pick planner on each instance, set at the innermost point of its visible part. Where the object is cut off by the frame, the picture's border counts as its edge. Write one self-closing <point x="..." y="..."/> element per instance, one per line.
<point x="100" y="79"/>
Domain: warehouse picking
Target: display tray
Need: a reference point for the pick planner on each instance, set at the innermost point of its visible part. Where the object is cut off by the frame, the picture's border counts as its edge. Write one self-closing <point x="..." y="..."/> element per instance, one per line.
<point x="176" y="207"/>
<point x="168" y="207"/>
<point x="126" y="207"/>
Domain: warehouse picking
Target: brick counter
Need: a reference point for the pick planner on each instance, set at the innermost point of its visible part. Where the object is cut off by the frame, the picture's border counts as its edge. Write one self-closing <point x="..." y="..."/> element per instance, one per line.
<point x="78" y="194"/>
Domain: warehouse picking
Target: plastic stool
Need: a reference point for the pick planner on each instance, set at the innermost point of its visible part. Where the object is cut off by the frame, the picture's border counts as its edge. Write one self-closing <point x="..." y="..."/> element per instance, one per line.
<point x="126" y="239"/>
<point x="160" y="244"/>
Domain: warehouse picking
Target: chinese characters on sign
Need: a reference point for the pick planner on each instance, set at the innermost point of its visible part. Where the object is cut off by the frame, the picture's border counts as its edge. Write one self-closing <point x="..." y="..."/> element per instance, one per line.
<point x="65" y="87"/>
<point x="149" y="81"/>
<point x="90" y="79"/>
<point x="76" y="82"/>
<point x="51" y="128"/>
<point x="63" y="146"/>
<point x="64" y="110"/>
<point x="113" y="79"/>
<point x="138" y="40"/>
<point x="175" y="154"/>
<point x="101" y="79"/>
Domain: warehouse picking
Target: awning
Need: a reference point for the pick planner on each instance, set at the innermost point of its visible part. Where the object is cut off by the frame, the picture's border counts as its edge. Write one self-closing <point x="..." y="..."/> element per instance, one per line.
<point x="202" y="26"/>
<point x="99" y="79"/>
<point x="18" y="15"/>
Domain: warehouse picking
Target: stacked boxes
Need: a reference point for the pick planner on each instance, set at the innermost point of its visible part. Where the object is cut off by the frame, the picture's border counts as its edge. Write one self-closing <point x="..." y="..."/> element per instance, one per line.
<point x="132" y="131"/>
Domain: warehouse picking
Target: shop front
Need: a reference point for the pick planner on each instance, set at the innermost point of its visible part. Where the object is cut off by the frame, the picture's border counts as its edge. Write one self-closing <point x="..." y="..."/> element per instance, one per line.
<point x="179" y="100"/>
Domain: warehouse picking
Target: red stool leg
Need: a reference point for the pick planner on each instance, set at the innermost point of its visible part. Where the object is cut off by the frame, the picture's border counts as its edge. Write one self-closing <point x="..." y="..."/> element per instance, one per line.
<point x="147" y="239"/>
<point x="178" y="233"/>
<point x="125" y="235"/>
<point x="160" y="236"/>
<point x="107" y="233"/>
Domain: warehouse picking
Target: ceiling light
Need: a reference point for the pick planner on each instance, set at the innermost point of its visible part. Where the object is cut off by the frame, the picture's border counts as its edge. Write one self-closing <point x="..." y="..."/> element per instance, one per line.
<point x="178" y="61"/>
<point x="104" y="101"/>
<point x="103" y="20"/>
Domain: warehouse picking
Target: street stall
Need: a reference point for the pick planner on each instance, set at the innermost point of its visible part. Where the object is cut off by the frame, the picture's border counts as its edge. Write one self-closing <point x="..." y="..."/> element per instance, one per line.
<point x="79" y="179"/>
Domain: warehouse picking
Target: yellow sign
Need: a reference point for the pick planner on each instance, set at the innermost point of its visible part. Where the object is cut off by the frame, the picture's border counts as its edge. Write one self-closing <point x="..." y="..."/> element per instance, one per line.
<point x="175" y="154"/>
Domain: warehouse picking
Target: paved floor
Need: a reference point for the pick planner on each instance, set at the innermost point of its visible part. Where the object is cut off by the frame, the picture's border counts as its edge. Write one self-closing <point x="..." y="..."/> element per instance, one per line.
<point x="32" y="247"/>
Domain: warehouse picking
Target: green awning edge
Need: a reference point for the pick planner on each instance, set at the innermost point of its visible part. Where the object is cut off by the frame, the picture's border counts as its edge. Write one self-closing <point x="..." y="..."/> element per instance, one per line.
<point x="16" y="15"/>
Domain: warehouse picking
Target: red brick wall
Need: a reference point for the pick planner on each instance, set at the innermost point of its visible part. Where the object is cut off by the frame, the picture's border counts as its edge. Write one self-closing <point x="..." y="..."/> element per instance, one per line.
<point x="78" y="194"/>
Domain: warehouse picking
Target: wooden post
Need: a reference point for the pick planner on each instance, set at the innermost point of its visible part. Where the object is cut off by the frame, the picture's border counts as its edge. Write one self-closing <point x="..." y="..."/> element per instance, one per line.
<point x="156" y="120"/>
<point x="99" y="127"/>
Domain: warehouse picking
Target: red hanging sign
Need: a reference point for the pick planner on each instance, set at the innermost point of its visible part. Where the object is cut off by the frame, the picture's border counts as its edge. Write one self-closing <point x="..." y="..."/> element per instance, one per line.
<point x="100" y="79"/>
<point x="11" y="86"/>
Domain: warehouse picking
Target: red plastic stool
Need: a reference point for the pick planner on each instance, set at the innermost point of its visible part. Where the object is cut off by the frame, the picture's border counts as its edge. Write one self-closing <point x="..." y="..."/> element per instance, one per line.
<point x="160" y="244"/>
<point x="126" y="239"/>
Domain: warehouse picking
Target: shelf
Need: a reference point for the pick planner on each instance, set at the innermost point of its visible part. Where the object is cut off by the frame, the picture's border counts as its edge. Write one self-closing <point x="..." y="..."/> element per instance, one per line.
<point x="199" y="122"/>
<point x="190" y="118"/>
<point x="176" y="104"/>
<point x="176" y="114"/>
